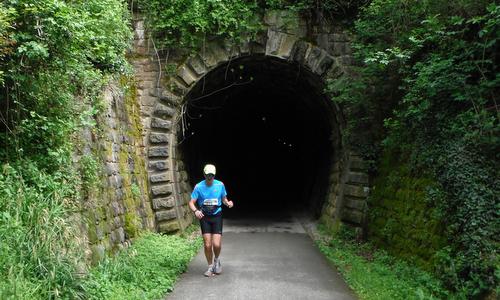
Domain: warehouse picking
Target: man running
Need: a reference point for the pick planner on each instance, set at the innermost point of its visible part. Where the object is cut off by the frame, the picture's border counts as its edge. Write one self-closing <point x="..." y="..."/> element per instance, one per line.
<point x="206" y="203"/>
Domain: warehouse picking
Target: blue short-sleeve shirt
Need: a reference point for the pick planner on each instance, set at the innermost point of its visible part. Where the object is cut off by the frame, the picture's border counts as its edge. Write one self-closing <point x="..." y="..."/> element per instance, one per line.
<point x="209" y="198"/>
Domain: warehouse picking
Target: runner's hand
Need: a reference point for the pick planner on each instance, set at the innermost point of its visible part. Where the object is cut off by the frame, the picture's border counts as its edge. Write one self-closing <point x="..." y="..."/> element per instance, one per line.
<point x="229" y="203"/>
<point x="199" y="214"/>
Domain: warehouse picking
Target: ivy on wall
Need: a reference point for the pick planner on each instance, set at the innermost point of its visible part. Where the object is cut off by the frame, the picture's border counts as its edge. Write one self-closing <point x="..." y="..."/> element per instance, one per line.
<point x="55" y="56"/>
<point x="189" y="24"/>
<point x="428" y="82"/>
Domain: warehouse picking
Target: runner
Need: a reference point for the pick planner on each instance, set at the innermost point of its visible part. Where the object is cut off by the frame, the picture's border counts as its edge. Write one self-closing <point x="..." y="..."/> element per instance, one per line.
<point x="206" y="203"/>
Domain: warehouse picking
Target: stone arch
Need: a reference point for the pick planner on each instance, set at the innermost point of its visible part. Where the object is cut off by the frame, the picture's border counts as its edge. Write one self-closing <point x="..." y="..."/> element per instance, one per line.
<point x="162" y="106"/>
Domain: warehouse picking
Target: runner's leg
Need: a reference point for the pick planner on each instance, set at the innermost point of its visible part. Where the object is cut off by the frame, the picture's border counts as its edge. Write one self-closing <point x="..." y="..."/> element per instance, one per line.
<point x="217" y="235"/>
<point x="217" y="244"/>
<point x="207" y="243"/>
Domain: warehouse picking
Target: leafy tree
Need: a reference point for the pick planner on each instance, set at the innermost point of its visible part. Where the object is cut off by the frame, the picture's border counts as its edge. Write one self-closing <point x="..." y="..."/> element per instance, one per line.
<point x="55" y="56"/>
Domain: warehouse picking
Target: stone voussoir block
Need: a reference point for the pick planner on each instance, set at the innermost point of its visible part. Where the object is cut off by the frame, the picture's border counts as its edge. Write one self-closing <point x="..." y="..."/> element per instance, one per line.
<point x="161" y="124"/>
<point x="161" y="165"/>
<point x="163" y="111"/>
<point x="177" y="86"/>
<point x="197" y="65"/>
<point x="157" y="138"/>
<point x="162" y="177"/>
<point x="188" y="76"/>
<point x="219" y="52"/>
<point x="160" y="203"/>
<point x="160" y="190"/>
<point x="358" y="164"/>
<point x="356" y="204"/>
<point x="158" y="152"/>
<point x="165" y="215"/>
<point x="169" y="98"/>
<point x="358" y="177"/>
<point x="356" y="191"/>
<point x="352" y="216"/>
<point x="324" y="64"/>
<point x="209" y="59"/>
<point x="273" y="41"/>
<point x="287" y="46"/>
<point x="258" y="44"/>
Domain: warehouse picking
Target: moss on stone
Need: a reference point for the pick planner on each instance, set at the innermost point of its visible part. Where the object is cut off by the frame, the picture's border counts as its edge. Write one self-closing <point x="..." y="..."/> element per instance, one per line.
<point x="401" y="220"/>
<point x="91" y="231"/>
<point x="132" y="224"/>
<point x="137" y="177"/>
<point x="332" y="225"/>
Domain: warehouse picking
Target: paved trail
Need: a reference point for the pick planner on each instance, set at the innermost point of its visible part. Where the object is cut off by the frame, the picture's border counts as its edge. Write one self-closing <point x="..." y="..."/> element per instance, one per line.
<point x="264" y="260"/>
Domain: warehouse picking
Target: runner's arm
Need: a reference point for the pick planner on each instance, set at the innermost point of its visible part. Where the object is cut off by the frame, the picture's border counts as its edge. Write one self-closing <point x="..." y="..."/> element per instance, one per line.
<point x="198" y="213"/>
<point x="227" y="202"/>
<point x="192" y="205"/>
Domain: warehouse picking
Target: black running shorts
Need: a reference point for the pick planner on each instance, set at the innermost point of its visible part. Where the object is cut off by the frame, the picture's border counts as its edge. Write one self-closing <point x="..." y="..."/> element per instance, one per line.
<point x="211" y="224"/>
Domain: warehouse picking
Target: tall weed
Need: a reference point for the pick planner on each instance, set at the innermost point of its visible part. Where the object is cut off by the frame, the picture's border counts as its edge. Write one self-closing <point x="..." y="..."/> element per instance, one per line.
<point x="38" y="252"/>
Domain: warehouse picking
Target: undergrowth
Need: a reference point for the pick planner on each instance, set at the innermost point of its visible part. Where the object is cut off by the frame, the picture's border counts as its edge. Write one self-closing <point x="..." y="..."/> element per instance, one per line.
<point x="374" y="274"/>
<point x="146" y="270"/>
<point x="55" y="58"/>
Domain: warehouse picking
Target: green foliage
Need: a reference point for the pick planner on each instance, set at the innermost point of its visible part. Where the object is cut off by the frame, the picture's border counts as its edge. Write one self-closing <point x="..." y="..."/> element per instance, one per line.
<point x="146" y="270"/>
<point x="89" y="171"/>
<point x="38" y="251"/>
<point x="190" y="24"/>
<point x="334" y="10"/>
<point x="374" y="274"/>
<point x="430" y="75"/>
<point x="59" y="50"/>
<point x="6" y="42"/>
<point x="401" y="219"/>
<point x="136" y="191"/>
<point x="54" y="58"/>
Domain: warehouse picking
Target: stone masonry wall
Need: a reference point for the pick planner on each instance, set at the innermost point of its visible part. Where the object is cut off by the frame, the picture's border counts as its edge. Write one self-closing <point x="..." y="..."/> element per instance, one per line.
<point x="117" y="208"/>
<point x="169" y="186"/>
<point x="322" y="49"/>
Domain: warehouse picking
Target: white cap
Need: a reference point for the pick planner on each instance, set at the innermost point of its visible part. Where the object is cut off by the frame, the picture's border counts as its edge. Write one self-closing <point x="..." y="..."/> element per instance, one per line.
<point x="209" y="169"/>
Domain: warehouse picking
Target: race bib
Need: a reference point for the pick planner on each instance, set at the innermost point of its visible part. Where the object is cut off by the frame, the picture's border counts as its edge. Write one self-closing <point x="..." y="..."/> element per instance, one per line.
<point x="210" y="206"/>
<point x="211" y="202"/>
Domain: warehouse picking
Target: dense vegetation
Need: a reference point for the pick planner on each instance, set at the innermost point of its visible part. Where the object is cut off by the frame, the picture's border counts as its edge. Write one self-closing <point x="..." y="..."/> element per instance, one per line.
<point x="373" y="273"/>
<point x="425" y="87"/>
<point x="430" y="73"/>
<point x="192" y="24"/>
<point x="54" y="58"/>
<point x="147" y="270"/>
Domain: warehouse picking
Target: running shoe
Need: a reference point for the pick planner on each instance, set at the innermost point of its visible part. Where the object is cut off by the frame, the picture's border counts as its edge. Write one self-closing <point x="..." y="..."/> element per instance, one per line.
<point x="217" y="267"/>
<point x="210" y="271"/>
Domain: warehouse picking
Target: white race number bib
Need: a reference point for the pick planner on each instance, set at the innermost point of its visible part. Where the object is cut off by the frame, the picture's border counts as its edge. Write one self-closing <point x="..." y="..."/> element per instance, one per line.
<point x="211" y="202"/>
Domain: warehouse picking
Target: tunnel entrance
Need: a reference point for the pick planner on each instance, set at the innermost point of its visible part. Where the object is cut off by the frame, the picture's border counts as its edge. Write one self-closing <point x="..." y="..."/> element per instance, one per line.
<point x="266" y="125"/>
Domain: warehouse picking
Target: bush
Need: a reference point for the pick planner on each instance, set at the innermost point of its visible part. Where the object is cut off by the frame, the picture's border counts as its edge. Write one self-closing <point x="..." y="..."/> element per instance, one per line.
<point x="38" y="253"/>
<point x="429" y="74"/>
<point x="373" y="274"/>
<point x="55" y="56"/>
<point x="146" y="270"/>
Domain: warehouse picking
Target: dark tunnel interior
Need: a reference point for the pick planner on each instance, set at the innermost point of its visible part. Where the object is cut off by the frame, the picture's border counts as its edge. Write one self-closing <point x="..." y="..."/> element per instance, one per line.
<point x="266" y="125"/>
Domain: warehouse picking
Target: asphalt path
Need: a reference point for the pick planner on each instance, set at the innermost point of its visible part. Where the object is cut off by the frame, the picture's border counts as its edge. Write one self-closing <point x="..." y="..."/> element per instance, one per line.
<point x="264" y="259"/>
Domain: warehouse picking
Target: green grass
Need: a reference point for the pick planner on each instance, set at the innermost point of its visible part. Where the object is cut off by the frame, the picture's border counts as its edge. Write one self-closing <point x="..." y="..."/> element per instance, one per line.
<point x="373" y="274"/>
<point x="38" y="243"/>
<point x="146" y="270"/>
